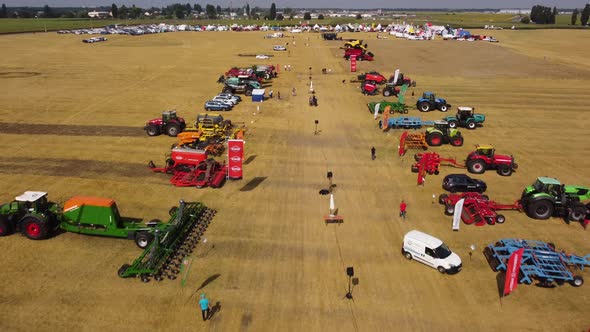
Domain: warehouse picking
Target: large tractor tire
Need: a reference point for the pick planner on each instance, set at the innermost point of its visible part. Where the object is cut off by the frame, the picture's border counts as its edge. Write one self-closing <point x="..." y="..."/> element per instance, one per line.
<point x="577" y="212"/>
<point x="434" y="139"/>
<point x="5" y="227"/>
<point x="452" y="124"/>
<point x="152" y="130"/>
<point x="143" y="239"/>
<point x="457" y="140"/>
<point x="248" y="91"/>
<point x="386" y="92"/>
<point x="444" y="108"/>
<point x="541" y="209"/>
<point x="476" y="166"/>
<point x="504" y="170"/>
<point x="34" y="228"/>
<point x="172" y="129"/>
<point x="471" y="125"/>
<point x="424" y="106"/>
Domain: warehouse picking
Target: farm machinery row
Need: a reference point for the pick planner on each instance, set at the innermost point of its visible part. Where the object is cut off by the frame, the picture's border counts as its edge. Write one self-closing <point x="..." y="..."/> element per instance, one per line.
<point x="245" y="80"/>
<point x="32" y="215"/>
<point x="190" y="161"/>
<point x="545" y="198"/>
<point x="355" y="48"/>
<point x="371" y="80"/>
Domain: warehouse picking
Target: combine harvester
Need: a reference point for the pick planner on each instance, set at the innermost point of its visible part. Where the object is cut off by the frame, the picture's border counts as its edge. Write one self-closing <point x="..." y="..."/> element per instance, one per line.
<point x="540" y="261"/>
<point x="164" y="256"/>
<point x="483" y="158"/>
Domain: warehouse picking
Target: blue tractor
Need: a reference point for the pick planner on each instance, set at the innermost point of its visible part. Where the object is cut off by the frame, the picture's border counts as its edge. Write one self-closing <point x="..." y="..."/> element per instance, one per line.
<point x="430" y="102"/>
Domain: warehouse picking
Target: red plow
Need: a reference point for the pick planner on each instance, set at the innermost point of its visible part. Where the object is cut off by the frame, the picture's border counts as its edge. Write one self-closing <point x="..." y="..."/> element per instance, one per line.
<point x="429" y="163"/>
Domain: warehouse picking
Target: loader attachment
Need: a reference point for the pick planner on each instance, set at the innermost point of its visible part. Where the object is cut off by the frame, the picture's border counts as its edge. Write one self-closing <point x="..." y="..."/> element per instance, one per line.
<point x="163" y="257"/>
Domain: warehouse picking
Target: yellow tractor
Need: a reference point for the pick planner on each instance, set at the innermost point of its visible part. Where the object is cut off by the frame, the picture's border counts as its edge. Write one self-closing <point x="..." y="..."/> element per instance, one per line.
<point x="355" y="43"/>
<point x="209" y="133"/>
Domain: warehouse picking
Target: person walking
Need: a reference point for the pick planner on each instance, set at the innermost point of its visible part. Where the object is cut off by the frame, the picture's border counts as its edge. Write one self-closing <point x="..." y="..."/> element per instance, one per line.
<point x="293" y="93"/>
<point x="270" y="94"/>
<point x="204" y="304"/>
<point x="373" y="153"/>
<point x="402" y="209"/>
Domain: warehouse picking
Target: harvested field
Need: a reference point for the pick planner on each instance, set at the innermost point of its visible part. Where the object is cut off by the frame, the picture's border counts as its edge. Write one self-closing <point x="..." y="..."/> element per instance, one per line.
<point x="71" y="124"/>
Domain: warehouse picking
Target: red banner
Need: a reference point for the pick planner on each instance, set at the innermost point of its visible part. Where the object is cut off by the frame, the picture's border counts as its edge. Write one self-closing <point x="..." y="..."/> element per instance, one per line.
<point x="512" y="271"/>
<point x="235" y="156"/>
<point x="353" y="63"/>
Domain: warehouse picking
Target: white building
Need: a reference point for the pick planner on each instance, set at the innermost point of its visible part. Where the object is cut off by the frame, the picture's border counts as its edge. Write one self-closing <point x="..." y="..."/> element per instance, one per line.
<point x="514" y="11"/>
<point x="95" y="14"/>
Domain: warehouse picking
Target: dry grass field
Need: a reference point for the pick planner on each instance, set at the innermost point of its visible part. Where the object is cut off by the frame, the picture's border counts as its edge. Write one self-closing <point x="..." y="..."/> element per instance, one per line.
<point x="71" y="121"/>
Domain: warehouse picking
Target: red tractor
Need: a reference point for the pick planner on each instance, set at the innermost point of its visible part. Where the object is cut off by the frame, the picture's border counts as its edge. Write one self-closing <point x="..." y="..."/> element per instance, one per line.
<point x="243" y="73"/>
<point x="169" y="123"/>
<point x="359" y="53"/>
<point x="484" y="158"/>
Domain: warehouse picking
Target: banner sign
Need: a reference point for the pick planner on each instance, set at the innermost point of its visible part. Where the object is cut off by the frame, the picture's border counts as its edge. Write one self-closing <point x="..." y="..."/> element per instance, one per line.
<point x="512" y="271"/>
<point x="235" y="157"/>
<point x="352" y="63"/>
<point x="457" y="214"/>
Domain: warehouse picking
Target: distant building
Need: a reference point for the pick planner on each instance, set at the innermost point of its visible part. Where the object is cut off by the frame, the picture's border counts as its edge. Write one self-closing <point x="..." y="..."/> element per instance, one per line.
<point x="96" y="14"/>
<point x="514" y="11"/>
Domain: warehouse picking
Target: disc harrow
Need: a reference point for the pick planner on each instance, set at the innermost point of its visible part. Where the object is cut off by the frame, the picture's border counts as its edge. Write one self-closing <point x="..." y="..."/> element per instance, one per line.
<point x="164" y="256"/>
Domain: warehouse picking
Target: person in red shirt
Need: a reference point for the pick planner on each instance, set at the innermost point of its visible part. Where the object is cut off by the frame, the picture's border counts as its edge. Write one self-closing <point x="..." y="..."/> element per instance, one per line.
<point x="402" y="209"/>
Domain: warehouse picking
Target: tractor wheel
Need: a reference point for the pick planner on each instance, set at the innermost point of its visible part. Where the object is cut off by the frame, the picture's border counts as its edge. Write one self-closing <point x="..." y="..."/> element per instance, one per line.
<point x="172" y="129"/>
<point x="227" y="89"/>
<point x="143" y="239"/>
<point x="152" y="130"/>
<point x="34" y="228"/>
<point x="414" y="169"/>
<point x="248" y="91"/>
<point x="457" y="140"/>
<point x="122" y="270"/>
<point x="444" y="108"/>
<point x="386" y="92"/>
<point x="500" y="219"/>
<point x="434" y="139"/>
<point x="476" y="166"/>
<point x="208" y="109"/>
<point x="5" y="227"/>
<point x="471" y="125"/>
<point x="173" y="210"/>
<point x="577" y="212"/>
<point x="505" y="170"/>
<point x="578" y="281"/>
<point x="449" y="209"/>
<point x="441" y="269"/>
<point x="452" y="124"/>
<point x="424" y="106"/>
<point x="407" y="255"/>
<point x="542" y="209"/>
<point x="442" y="198"/>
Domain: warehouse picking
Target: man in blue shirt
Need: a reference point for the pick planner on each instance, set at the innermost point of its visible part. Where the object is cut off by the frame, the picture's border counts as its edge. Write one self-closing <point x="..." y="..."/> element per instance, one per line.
<point x="204" y="304"/>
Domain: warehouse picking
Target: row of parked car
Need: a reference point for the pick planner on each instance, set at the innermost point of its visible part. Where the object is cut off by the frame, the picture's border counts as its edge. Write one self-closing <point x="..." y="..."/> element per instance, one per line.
<point x="222" y="102"/>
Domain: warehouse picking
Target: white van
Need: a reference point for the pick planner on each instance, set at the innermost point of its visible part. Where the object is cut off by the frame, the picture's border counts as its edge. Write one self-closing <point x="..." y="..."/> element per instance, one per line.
<point x="431" y="251"/>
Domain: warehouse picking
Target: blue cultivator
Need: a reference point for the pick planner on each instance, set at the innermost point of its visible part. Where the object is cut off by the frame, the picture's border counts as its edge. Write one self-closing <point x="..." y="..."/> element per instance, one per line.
<point x="540" y="261"/>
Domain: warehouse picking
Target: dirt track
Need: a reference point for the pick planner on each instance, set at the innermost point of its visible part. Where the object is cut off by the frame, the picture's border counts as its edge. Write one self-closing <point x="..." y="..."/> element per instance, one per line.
<point x="270" y="260"/>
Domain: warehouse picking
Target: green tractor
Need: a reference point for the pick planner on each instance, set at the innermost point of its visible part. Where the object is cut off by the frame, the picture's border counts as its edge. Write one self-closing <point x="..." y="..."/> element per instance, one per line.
<point x="547" y="197"/>
<point x="441" y="134"/>
<point x="36" y="218"/>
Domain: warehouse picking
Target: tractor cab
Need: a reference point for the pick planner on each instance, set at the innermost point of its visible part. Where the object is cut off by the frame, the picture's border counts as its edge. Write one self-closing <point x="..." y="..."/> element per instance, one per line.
<point x="168" y="116"/>
<point x="442" y="126"/>
<point x="209" y="120"/>
<point x="464" y="113"/>
<point x="33" y="200"/>
<point x="429" y="96"/>
<point x="485" y="150"/>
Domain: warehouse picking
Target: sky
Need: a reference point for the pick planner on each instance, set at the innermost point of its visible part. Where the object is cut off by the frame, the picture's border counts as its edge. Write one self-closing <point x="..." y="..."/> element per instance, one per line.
<point x="452" y="4"/>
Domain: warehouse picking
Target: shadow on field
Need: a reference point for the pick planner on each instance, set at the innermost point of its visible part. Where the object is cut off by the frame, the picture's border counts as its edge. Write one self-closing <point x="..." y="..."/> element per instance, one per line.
<point x="69" y="130"/>
<point x="18" y="74"/>
<point x="90" y="169"/>
<point x="250" y="159"/>
<point x="246" y="320"/>
<point x="500" y="278"/>
<point x="253" y="183"/>
<point x="208" y="281"/>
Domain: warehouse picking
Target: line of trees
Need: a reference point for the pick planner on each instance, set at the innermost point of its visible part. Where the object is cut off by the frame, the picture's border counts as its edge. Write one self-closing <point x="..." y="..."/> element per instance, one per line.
<point x="543" y="15"/>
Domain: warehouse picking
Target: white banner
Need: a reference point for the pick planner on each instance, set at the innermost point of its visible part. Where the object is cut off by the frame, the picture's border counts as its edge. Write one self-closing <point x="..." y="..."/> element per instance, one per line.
<point x="376" y="111"/>
<point x="457" y="214"/>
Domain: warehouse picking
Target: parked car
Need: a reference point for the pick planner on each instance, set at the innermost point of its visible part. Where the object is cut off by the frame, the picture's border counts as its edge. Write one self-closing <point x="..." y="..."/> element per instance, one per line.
<point x="463" y="183"/>
<point x="431" y="251"/>
<point x="213" y="105"/>
<point x="279" y="48"/>
<point x="226" y="94"/>
<point x="225" y="100"/>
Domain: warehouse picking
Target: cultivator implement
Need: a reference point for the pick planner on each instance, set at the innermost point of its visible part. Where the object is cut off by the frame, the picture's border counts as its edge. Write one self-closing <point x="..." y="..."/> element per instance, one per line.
<point x="477" y="209"/>
<point x="164" y="256"/>
<point x="429" y="163"/>
<point x="208" y="174"/>
<point x="540" y="261"/>
<point x="411" y="141"/>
